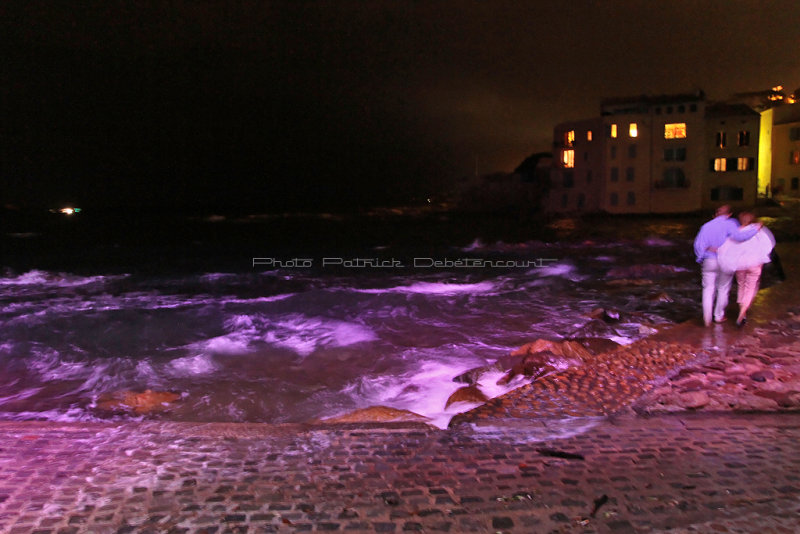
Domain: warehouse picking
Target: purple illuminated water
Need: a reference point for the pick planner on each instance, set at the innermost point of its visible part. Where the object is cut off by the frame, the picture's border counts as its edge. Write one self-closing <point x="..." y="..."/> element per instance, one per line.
<point x="292" y="344"/>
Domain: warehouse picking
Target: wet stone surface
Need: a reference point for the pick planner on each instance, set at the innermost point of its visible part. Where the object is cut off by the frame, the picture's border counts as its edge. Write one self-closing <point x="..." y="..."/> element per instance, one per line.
<point x="598" y="475"/>
<point x="602" y="385"/>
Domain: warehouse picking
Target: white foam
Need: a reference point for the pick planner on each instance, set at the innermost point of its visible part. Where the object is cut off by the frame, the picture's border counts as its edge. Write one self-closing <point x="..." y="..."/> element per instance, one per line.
<point x="69" y="415"/>
<point x="304" y="335"/>
<point x="296" y="332"/>
<point x="44" y="278"/>
<point x="536" y="432"/>
<point x="425" y="389"/>
<point x="437" y="288"/>
<point x="654" y="241"/>
<point x="228" y="344"/>
<point x="258" y="300"/>
<point x="477" y="244"/>
<point x="558" y="269"/>
<point x="24" y="394"/>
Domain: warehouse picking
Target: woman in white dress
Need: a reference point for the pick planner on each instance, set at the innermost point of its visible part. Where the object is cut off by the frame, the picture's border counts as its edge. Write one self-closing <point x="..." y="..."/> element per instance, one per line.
<point x="746" y="259"/>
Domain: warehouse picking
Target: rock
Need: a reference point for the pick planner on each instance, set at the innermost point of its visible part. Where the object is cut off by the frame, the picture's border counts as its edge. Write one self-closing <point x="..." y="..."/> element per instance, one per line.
<point x="692" y="400"/>
<point x="690" y="384"/>
<point x="474" y="375"/>
<point x="609" y="316"/>
<point x="762" y="376"/>
<point x="141" y="403"/>
<point x="647" y="330"/>
<point x="659" y="297"/>
<point x="568" y="349"/>
<point x="783" y="399"/>
<point x="538" y="364"/>
<point x="688" y="371"/>
<point x="742" y="369"/>
<point x="379" y="414"/>
<point x="597" y="345"/>
<point x="781" y="386"/>
<point x="748" y="402"/>
<point x="466" y="394"/>
<point x="593" y="328"/>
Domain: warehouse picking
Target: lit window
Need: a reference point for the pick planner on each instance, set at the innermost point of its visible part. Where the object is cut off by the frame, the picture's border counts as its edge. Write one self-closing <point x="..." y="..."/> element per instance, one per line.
<point x="675" y="130"/>
<point x="744" y="164"/>
<point x="589" y="135"/>
<point x="721" y="140"/>
<point x="613" y="130"/>
<point x="720" y="164"/>
<point x="568" y="158"/>
<point x="795" y="157"/>
<point x="633" y="130"/>
<point x="743" y="139"/>
<point x="569" y="138"/>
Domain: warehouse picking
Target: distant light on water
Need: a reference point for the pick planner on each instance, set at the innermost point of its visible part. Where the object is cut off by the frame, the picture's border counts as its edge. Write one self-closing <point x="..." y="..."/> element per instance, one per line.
<point x="69" y="210"/>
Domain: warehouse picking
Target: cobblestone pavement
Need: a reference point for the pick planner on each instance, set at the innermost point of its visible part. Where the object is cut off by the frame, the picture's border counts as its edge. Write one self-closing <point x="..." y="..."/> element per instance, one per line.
<point x="729" y="473"/>
<point x="601" y="386"/>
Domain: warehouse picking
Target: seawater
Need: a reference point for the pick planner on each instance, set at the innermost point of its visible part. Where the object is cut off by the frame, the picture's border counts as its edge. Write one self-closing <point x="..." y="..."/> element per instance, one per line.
<point x="284" y="340"/>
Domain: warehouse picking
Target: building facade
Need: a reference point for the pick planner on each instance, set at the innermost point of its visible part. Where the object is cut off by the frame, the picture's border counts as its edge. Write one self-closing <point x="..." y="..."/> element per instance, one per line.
<point x="656" y="154"/>
<point x="786" y="151"/>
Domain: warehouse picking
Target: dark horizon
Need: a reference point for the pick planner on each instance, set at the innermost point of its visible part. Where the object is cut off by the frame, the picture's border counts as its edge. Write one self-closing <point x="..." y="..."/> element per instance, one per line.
<point x="318" y="106"/>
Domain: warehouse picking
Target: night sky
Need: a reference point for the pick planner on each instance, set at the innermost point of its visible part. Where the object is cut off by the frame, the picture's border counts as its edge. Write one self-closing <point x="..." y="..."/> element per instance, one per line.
<point x="262" y="105"/>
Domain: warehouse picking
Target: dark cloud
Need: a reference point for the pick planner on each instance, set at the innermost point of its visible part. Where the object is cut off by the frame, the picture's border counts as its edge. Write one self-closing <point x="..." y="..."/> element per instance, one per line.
<point x="252" y="103"/>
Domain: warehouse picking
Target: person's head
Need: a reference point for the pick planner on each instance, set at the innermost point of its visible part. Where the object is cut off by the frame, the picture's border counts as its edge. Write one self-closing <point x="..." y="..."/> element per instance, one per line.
<point x="725" y="210"/>
<point x="746" y="217"/>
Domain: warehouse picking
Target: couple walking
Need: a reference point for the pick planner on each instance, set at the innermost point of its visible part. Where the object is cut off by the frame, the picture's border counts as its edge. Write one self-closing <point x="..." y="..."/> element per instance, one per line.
<point x="724" y="247"/>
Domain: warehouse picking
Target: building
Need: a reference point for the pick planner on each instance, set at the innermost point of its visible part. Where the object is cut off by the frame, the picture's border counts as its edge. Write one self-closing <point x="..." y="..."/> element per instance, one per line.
<point x="732" y="148"/>
<point x="656" y="154"/>
<point x="785" y="171"/>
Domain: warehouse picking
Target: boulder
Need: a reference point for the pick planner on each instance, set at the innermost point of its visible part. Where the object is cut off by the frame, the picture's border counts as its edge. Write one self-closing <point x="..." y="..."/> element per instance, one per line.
<point x="466" y="394"/>
<point x="762" y="376"/>
<point x="597" y="345"/>
<point x="379" y="414"/>
<point x="140" y="403"/>
<point x="692" y="400"/>
<point x="783" y="399"/>
<point x="538" y="364"/>
<point x="567" y="349"/>
<point x="593" y="328"/>
<point x="474" y="375"/>
<point x="659" y="297"/>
